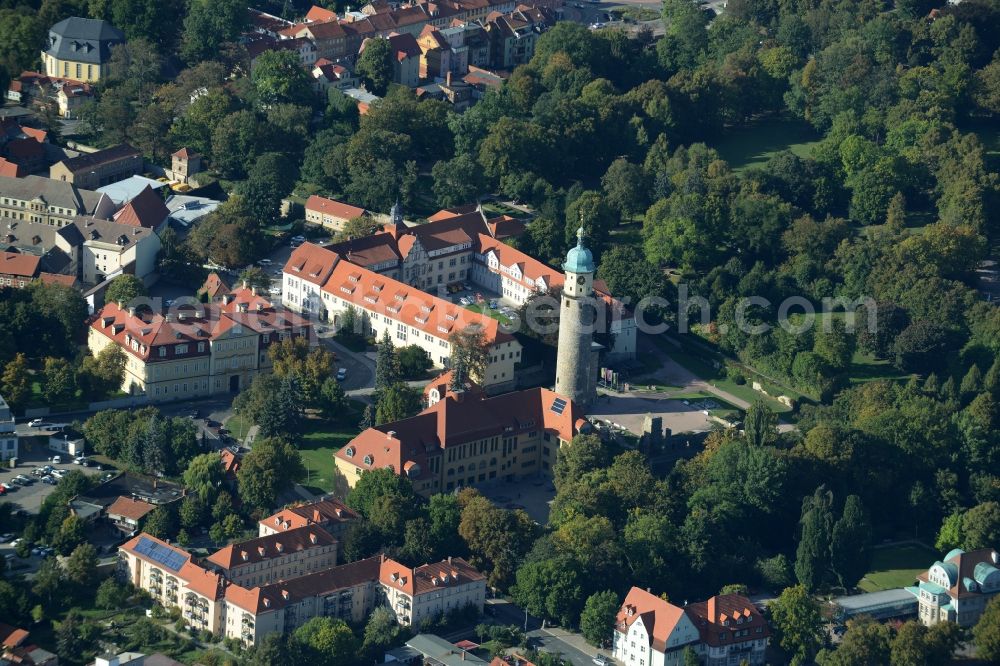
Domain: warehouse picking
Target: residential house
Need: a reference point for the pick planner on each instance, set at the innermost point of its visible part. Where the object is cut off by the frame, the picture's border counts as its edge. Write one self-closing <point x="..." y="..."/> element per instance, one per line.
<point x="15" y="649"/>
<point x="364" y="98"/>
<point x="958" y="588"/>
<point x="435" y="54"/>
<point x="432" y="590"/>
<point x="146" y="210"/>
<point x="462" y="441"/>
<point x="231" y="463"/>
<point x="329" y="37"/>
<point x="731" y="629"/>
<point x="8" y="433"/>
<point x="214" y="287"/>
<point x="405" y="58"/>
<point x="452" y="90"/>
<point x="195" y="351"/>
<point x="301" y="46"/>
<point x="80" y="48"/>
<point x="126" y="513"/>
<point x="72" y="95"/>
<point x="331" y="514"/>
<point x="513" y="36"/>
<point x="18" y="270"/>
<point x="92" y="170"/>
<point x="111" y="249"/>
<point x="328" y="74"/>
<point x="650" y="631"/>
<point x="330" y="213"/>
<point x="273" y="557"/>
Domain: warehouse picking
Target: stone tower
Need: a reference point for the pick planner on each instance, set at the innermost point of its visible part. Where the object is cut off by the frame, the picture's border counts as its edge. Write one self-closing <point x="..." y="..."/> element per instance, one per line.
<point x="575" y="357"/>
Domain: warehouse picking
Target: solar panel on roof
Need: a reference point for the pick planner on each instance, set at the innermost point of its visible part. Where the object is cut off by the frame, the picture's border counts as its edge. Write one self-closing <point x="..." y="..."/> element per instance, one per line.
<point x="559" y="405"/>
<point x="160" y="554"/>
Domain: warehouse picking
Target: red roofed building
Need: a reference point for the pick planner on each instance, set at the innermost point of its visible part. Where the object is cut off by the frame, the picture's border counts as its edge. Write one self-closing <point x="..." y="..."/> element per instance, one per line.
<point x="331" y="514"/>
<point x="214" y="287"/>
<point x="428" y="591"/>
<point x="958" y="588"/>
<point x="230" y="465"/>
<point x="441" y="386"/>
<point x="461" y="441"/>
<point x="11" y="169"/>
<point x="650" y="631"/>
<point x="125" y="513"/>
<point x="405" y="55"/>
<point x="145" y="210"/>
<point x="732" y="630"/>
<point x="273" y="557"/>
<point x="330" y="213"/>
<point x="195" y="351"/>
<point x="319" y="14"/>
<point x="18" y="270"/>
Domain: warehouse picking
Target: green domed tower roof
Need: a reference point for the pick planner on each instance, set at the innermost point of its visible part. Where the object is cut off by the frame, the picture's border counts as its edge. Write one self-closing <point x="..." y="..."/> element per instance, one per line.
<point x="579" y="259"/>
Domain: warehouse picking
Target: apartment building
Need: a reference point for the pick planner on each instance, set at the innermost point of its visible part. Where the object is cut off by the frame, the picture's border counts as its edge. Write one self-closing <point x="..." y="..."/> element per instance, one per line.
<point x="47" y="201"/>
<point x="329" y="213"/>
<point x="957" y="588"/>
<point x="330" y="514"/>
<point x="265" y="559"/>
<point x="8" y="432"/>
<point x="431" y="590"/>
<point x="196" y="350"/>
<point x="103" y="167"/>
<point x="462" y="441"/>
<point x="209" y="599"/>
<point x="650" y="631"/>
<point x="111" y="248"/>
<point x="731" y="629"/>
<point x="80" y="48"/>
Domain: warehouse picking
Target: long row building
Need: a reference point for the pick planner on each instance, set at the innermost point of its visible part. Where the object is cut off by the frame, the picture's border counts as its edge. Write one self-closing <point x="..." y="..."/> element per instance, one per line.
<point x="397" y="280"/>
<point x="281" y="580"/>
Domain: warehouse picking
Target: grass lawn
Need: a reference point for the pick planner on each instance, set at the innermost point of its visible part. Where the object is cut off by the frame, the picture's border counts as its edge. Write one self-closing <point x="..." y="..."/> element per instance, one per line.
<point x="238" y="426"/>
<point x="320" y="441"/>
<point x="485" y="309"/>
<point x="896" y="566"/>
<point x="754" y="145"/>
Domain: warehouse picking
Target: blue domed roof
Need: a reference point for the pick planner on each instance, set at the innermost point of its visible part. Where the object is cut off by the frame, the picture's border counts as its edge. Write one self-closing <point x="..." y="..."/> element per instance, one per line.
<point x="579" y="259"/>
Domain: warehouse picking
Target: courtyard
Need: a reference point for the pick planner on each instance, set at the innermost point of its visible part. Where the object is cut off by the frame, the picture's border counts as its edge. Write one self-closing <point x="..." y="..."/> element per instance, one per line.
<point x="627" y="411"/>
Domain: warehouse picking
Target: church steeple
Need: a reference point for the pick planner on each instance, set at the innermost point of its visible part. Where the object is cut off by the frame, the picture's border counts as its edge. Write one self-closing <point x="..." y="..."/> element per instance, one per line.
<point x="575" y="360"/>
<point x="396" y="214"/>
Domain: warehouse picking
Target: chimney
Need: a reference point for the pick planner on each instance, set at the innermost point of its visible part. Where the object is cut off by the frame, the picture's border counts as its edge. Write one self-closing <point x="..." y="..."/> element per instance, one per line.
<point x="312" y="538"/>
<point x="390" y="434"/>
<point x="449" y="559"/>
<point x="168" y="318"/>
<point x="447" y="79"/>
<point x="253" y="290"/>
<point x="121" y="305"/>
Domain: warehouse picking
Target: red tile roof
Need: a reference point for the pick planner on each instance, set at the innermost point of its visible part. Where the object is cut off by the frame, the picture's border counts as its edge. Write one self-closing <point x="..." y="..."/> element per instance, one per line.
<point x="333" y="207"/>
<point x="443" y="381"/>
<point x="185" y="154"/>
<point x="36" y="134"/>
<point x="429" y="577"/>
<point x="404" y="46"/>
<point x="319" y="14"/>
<point x="52" y="278"/>
<point x="263" y="548"/>
<point x="230" y="463"/>
<point x="145" y="210"/>
<point x="659" y="617"/>
<point x="725" y="614"/>
<point x="10" y="169"/>
<point x="214" y="286"/>
<point x="12" y="636"/>
<point x="311" y="263"/>
<point x="126" y="507"/>
<point x="22" y="265"/>
<point x="321" y="512"/>
<point x="202" y="581"/>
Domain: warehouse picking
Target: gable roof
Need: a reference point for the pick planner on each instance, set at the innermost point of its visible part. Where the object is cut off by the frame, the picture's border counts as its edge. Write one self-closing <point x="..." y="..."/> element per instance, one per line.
<point x="321" y="512"/>
<point x="15" y="263"/>
<point x="725" y="615"/>
<point x="101" y="157"/>
<point x="126" y="507"/>
<point x="311" y="263"/>
<point x="319" y="14"/>
<point x="146" y="210"/>
<point x="658" y="616"/>
<point x="333" y="207"/>
<point x="132" y="546"/>
<point x="404" y="46"/>
<point x="451" y="572"/>
<point x="263" y="548"/>
<point x="10" y="169"/>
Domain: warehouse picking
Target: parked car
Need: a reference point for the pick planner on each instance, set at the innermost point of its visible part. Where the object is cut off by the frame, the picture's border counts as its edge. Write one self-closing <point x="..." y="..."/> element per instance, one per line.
<point x="601" y="660"/>
<point x="56" y="460"/>
<point x="493" y="304"/>
<point x="59" y="473"/>
<point x="341" y="374"/>
<point x="299" y="239"/>
<point x="35" y="423"/>
<point x="265" y="262"/>
<point x="49" y="479"/>
<point x="8" y="486"/>
<point x="37" y="551"/>
<point x="3" y="491"/>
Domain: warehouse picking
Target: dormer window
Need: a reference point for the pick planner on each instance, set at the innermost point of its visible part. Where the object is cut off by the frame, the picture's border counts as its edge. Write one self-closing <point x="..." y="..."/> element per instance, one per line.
<point x="349" y="452"/>
<point x="369" y="460"/>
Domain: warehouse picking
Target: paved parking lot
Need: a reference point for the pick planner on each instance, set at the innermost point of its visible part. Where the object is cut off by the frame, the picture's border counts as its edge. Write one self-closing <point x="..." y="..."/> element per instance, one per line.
<point x="30" y="498"/>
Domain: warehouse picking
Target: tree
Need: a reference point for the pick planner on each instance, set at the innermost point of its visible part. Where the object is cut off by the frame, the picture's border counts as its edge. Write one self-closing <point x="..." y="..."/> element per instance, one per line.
<point x="278" y="649"/>
<point x="208" y="25"/>
<point x="470" y="349"/>
<point x="760" y="426"/>
<point x="377" y="483"/>
<point x="986" y="633"/>
<point x="834" y="345"/>
<point x="81" y="565"/>
<point x="356" y="227"/>
<point x="271" y="178"/>
<point x="457" y="181"/>
<point x="551" y="588"/>
<point x="204" y="476"/>
<point x="917" y="645"/>
<point x="381" y="629"/>
<point x="972" y="382"/>
<point x="583" y="454"/>
<point x="161" y="523"/>
<point x="920" y="346"/>
<point x="591" y="211"/>
<point x="865" y="642"/>
<point x="981" y="526"/>
<point x="497" y="539"/>
<point x="386" y="363"/>
<point x="895" y="217"/>
<point x="850" y="542"/>
<point x="330" y="641"/>
<point x="16" y="381"/>
<point x="597" y="621"/>
<point x="267" y="471"/>
<point x="332" y="399"/>
<point x="255" y="277"/>
<point x="48" y="581"/>
<point x="796" y="618"/>
<point x="950" y="534"/>
<point x="414" y="362"/>
<point x="110" y="594"/>
<point x="278" y="77"/>
<point x="397" y="402"/>
<point x="69" y="639"/>
<point x="310" y="366"/>
<point x="375" y="65"/>
<point x="812" y="559"/>
<point x="630" y="277"/>
<point x="625" y="188"/>
<point x="60" y="383"/>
